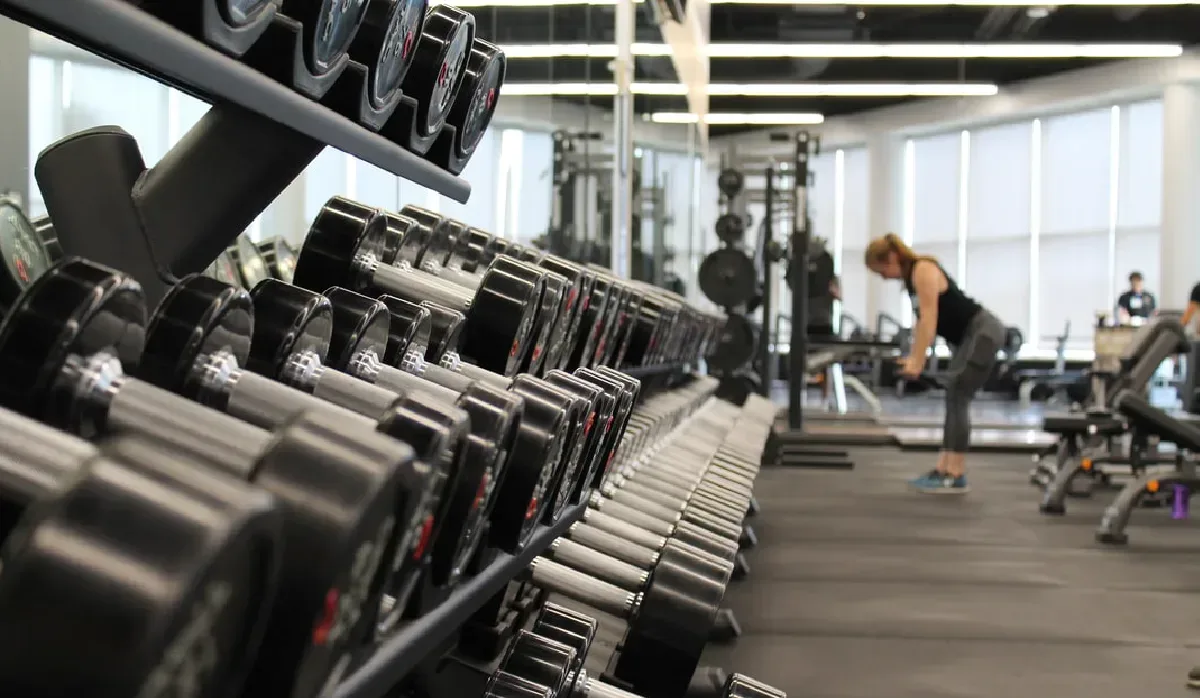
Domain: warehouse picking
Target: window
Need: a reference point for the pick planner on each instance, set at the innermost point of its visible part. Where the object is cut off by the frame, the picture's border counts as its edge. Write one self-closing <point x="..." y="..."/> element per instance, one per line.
<point x="852" y="208"/>
<point x="480" y="209"/>
<point x="1138" y="232"/>
<point x="936" y="168"/>
<point x="1074" y="237"/>
<point x="997" y="220"/>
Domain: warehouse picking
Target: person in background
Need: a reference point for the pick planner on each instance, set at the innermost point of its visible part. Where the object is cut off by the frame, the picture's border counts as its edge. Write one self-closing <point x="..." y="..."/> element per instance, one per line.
<point x="820" y="310"/>
<point x="820" y="321"/>
<point x="974" y="333"/>
<point x="1137" y="302"/>
<point x="1192" y="314"/>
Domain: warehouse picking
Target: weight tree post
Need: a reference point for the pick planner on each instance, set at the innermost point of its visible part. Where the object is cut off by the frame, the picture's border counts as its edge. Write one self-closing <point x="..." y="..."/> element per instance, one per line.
<point x="790" y="446"/>
<point x="798" y="246"/>
<point x="768" y="304"/>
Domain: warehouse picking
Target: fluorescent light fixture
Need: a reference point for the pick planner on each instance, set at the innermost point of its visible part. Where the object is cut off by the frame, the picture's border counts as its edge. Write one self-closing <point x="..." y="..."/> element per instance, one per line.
<point x="668" y="89"/>
<point x="862" y="3"/>
<point x="726" y="119"/>
<point x="861" y="50"/>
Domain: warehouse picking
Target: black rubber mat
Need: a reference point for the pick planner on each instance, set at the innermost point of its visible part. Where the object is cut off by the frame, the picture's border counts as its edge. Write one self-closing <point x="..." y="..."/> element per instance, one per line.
<point x="860" y="588"/>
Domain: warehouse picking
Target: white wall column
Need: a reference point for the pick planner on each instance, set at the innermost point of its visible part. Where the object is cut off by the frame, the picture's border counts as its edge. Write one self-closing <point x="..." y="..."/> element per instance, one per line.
<point x="1180" y="242"/>
<point x="884" y="213"/>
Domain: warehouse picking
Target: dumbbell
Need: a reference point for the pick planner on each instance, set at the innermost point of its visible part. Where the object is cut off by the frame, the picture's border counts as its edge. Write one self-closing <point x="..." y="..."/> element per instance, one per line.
<point x="278" y="257"/>
<point x="579" y="405"/>
<point x="345" y="247"/>
<point x="63" y="346"/>
<point x="534" y="652"/>
<point x="545" y="435"/>
<point x="248" y="262"/>
<point x="361" y="332"/>
<point x="385" y="44"/>
<point x="211" y="545"/>
<point x="669" y="619"/>
<point x="466" y="249"/>
<point x="204" y="332"/>
<point x="422" y="239"/>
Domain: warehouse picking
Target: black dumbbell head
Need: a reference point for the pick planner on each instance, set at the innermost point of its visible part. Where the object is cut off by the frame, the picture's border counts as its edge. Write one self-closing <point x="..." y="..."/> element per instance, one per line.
<point x="360" y="324"/>
<point x="409" y="330"/>
<point x="568" y="627"/>
<point x="438" y="63"/>
<point x="342" y="233"/>
<point x="503" y="685"/>
<point x="445" y="330"/>
<point x="541" y="660"/>
<point x="198" y="317"/>
<point x="287" y="320"/>
<point x="77" y="308"/>
<point x="472" y="111"/>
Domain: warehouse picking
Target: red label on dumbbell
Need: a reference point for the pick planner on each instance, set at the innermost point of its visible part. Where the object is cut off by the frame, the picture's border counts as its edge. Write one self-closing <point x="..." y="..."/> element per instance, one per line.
<point x="426" y="533"/>
<point x="323" y="627"/>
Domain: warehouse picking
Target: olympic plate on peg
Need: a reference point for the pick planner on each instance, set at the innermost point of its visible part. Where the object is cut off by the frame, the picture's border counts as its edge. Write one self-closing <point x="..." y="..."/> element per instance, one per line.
<point x="728" y="278"/>
<point x="24" y="253"/>
<point x="386" y="41"/>
<point x="239" y="13"/>
<point x="730" y="182"/>
<point x="330" y="33"/>
<point x="472" y="111"/>
<point x="438" y="63"/>
<point x="731" y="228"/>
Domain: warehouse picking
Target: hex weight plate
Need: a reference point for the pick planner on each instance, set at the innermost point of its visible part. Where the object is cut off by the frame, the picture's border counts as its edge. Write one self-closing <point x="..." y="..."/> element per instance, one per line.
<point x="329" y="27"/>
<point x="731" y="228"/>
<point x="385" y="44"/>
<point x="736" y="345"/>
<point x="728" y="277"/>
<point x="438" y="62"/>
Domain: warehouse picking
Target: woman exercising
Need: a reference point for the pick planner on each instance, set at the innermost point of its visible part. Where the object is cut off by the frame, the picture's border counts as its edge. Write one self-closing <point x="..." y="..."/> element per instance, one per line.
<point x="972" y="331"/>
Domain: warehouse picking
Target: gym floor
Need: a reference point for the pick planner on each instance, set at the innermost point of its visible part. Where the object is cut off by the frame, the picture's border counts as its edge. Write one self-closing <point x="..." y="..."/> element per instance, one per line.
<point x="860" y="588"/>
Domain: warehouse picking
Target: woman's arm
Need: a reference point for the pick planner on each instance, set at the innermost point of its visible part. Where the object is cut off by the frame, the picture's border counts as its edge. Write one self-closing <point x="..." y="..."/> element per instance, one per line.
<point x="835" y="289"/>
<point x="928" y="280"/>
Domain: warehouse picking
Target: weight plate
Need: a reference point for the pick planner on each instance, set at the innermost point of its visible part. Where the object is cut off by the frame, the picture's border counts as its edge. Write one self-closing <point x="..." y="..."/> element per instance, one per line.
<point x="736" y="345"/>
<point x="385" y="43"/>
<point x="728" y="277"/>
<point x="329" y="33"/>
<point x="24" y="253"/>
<point x="730" y="182"/>
<point x="437" y="64"/>
<point x="731" y="228"/>
<point x="239" y="13"/>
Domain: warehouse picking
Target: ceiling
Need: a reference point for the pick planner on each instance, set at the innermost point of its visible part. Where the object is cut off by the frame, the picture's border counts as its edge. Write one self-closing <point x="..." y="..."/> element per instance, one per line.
<point x="744" y="23"/>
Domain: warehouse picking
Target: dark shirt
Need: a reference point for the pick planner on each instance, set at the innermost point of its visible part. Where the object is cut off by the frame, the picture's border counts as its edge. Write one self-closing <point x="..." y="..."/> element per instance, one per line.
<point x="1137" y="304"/>
<point x="955" y="308"/>
<point x="1195" y="298"/>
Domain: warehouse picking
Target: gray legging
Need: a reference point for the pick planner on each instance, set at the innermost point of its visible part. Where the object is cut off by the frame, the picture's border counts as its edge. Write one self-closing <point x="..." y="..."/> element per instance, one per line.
<point x="969" y="368"/>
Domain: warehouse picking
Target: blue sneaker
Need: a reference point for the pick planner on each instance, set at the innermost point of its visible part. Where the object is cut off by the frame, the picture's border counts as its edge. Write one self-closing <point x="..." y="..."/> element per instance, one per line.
<point x="940" y="483"/>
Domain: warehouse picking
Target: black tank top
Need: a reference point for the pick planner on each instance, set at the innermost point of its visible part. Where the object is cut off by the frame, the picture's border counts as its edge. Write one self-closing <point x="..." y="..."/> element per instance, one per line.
<point x="955" y="308"/>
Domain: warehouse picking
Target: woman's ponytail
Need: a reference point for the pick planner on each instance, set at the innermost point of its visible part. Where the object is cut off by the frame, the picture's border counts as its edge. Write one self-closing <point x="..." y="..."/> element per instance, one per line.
<point x="883" y="247"/>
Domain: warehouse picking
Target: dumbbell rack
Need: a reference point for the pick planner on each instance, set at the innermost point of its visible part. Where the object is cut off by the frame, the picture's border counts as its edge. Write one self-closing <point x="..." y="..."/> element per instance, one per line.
<point x="213" y="182"/>
<point x="213" y="185"/>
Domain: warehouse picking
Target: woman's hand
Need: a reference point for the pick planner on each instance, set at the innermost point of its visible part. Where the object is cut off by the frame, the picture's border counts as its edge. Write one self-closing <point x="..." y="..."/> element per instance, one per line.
<point x="910" y="366"/>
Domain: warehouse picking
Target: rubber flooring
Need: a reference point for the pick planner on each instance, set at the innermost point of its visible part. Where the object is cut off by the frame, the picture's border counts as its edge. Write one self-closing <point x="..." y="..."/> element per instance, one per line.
<point x="860" y="588"/>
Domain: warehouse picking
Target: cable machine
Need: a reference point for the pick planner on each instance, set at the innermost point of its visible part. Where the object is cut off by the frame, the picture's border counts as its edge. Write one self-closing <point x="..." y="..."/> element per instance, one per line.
<point x="580" y="218"/>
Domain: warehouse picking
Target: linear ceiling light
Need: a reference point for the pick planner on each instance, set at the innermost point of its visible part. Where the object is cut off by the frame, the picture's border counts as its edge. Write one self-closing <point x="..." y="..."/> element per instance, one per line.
<point x="860" y="3"/>
<point x="667" y="89"/>
<point x="725" y="119"/>
<point x="861" y="50"/>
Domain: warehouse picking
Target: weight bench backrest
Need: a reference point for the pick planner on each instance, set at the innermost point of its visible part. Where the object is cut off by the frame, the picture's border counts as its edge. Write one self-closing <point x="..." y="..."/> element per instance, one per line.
<point x="1154" y="421"/>
<point x="1155" y="342"/>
